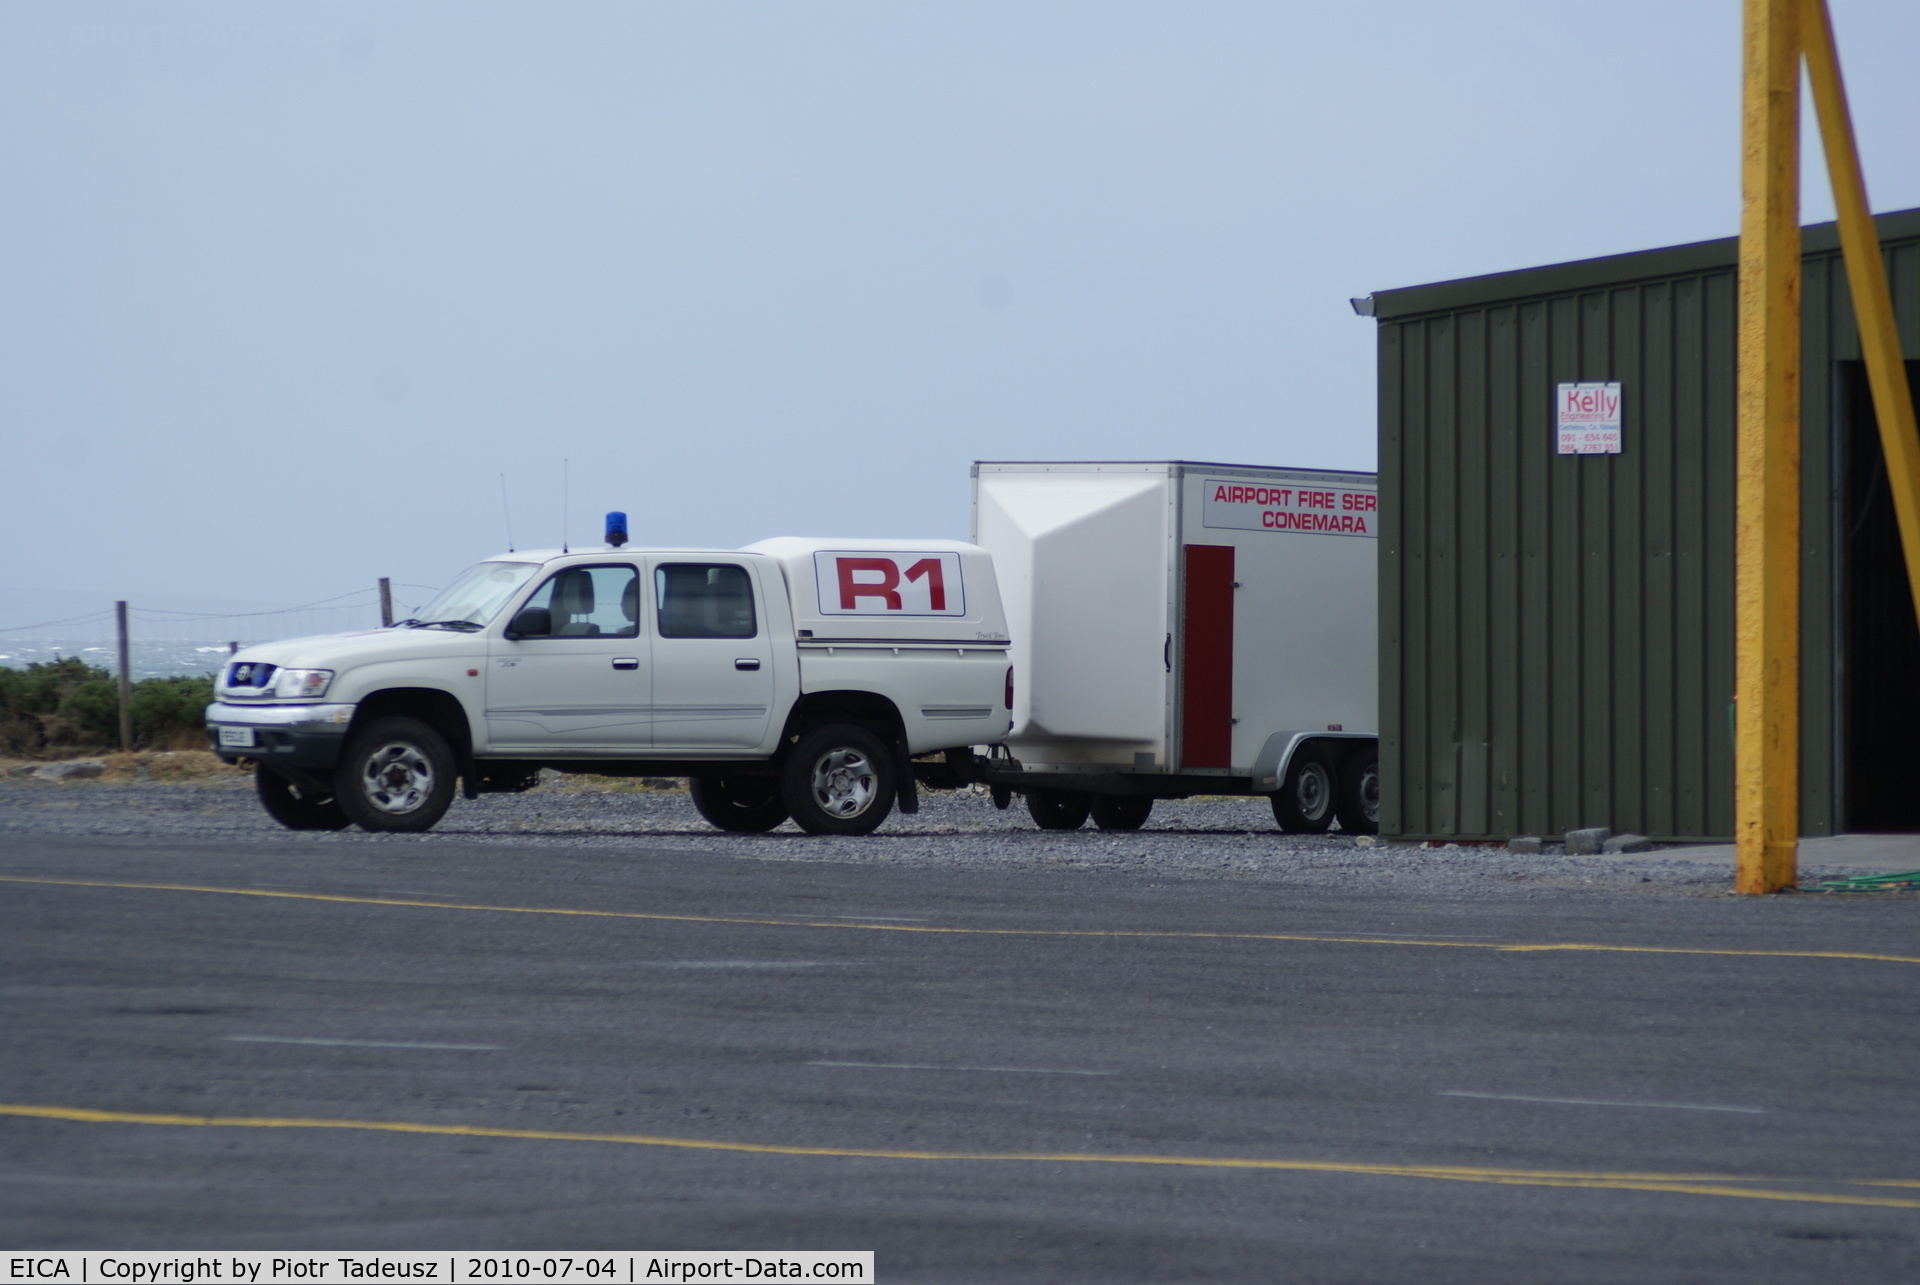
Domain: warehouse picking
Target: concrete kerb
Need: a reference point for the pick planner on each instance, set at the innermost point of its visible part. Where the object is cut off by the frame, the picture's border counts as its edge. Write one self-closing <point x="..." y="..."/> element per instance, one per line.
<point x="1851" y="853"/>
<point x="1859" y="853"/>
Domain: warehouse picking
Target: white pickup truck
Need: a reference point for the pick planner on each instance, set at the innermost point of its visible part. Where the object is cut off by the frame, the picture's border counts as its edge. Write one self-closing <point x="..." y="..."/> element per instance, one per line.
<point x="792" y="678"/>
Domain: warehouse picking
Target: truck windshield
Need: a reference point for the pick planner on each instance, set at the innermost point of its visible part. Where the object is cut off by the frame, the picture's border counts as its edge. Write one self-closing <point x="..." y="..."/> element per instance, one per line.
<point x="476" y="597"/>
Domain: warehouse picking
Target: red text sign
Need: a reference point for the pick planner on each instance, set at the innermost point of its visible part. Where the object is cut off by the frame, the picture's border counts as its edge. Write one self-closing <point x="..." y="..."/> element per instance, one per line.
<point x="1289" y="506"/>
<point x="889" y="584"/>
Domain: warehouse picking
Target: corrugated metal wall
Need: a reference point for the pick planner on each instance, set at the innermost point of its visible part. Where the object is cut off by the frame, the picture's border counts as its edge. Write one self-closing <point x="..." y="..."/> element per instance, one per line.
<point x="1557" y="631"/>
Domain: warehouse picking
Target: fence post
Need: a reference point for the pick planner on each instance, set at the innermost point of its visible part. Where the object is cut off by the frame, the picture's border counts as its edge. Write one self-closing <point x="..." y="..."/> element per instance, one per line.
<point x="126" y="680"/>
<point x="386" y="602"/>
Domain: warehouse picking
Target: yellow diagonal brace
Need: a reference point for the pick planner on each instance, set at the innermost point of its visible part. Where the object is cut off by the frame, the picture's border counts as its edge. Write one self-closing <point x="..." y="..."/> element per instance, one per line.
<point x="1767" y="489"/>
<point x="1867" y="280"/>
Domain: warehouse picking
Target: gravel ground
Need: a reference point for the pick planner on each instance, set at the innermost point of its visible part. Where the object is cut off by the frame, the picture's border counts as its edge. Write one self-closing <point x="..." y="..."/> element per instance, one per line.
<point x="1197" y="839"/>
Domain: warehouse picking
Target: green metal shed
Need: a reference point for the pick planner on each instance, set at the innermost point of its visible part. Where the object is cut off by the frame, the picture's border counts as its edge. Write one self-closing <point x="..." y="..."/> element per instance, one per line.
<point x="1556" y="630"/>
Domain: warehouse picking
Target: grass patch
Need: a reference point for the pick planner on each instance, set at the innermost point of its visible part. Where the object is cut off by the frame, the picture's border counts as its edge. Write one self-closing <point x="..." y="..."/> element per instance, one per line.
<point x="586" y="783"/>
<point x="166" y="767"/>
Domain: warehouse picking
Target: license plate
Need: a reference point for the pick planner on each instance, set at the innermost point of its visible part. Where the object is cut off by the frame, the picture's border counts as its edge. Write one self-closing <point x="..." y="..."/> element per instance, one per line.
<point x="240" y="738"/>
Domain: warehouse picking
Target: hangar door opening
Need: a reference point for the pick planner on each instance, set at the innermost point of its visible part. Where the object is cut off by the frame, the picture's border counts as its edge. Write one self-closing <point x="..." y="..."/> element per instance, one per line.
<point x="1880" y="640"/>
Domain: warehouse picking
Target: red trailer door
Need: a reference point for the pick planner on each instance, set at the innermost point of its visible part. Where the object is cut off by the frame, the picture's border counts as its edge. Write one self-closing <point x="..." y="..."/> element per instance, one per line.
<point x="1206" y="656"/>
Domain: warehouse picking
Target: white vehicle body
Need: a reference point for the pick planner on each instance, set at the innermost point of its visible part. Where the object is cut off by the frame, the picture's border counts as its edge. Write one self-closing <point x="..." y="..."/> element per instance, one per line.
<point x="1182" y="627"/>
<point x="678" y="662"/>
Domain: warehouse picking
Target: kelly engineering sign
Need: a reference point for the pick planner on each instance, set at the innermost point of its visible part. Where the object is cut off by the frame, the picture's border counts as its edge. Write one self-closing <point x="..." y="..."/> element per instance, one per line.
<point x="1587" y="417"/>
<point x="1294" y="506"/>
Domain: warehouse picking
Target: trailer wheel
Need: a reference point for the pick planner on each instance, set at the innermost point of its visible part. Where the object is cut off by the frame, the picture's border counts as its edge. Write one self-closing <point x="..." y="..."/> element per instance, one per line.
<point x="397" y="775"/>
<point x="1359" y="806"/>
<point x="739" y="804"/>
<point x="1059" y="809"/>
<point x="1304" y="803"/>
<point x="295" y="806"/>
<point x="1121" y="812"/>
<point x="839" y="780"/>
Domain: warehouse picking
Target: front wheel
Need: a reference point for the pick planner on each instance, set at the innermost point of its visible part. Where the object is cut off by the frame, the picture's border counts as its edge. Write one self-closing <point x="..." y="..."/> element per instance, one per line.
<point x="739" y="804"/>
<point x="1304" y="803"/>
<point x="1121" y="812"/>
<point x="1059" y="809"/>
<point x="839" y="780"/>
<point x="1359" y="805"/>
<point x="296" y="806"/>
<point x="397" y="775"/>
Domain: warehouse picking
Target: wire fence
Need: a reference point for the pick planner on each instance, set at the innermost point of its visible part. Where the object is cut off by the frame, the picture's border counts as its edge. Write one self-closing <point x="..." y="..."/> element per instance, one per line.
<point x="165" y="642"/>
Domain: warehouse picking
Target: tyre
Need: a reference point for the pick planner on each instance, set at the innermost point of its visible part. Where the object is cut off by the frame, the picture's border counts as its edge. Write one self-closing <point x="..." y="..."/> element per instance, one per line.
<point x="1359" y="803"/>
<point x="397" y="775"/>
<point x="295" y="806"/>
<point x="1059" y="809"/>
<point x="839" y="780"/>
<point x="1121" y="812"/>
<point x="739" y="804"/>
<point x="1304" y="802"/>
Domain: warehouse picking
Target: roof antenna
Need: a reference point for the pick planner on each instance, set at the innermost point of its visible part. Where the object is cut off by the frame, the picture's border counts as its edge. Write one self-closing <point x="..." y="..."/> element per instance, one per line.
<point x="506" y="512"/>
<point x="563" y="504"/>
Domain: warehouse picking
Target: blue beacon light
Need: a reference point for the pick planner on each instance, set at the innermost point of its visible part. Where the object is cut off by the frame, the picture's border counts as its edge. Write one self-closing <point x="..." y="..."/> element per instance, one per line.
<point x="616" y="529"/>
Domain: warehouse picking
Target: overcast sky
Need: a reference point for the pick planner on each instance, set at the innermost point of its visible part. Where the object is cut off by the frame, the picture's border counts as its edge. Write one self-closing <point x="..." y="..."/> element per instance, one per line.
<point x="288" y="287"/>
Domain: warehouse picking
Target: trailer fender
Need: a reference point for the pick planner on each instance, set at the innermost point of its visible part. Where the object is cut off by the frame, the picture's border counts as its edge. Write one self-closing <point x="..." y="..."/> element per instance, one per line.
<point x="1270" y="765"/>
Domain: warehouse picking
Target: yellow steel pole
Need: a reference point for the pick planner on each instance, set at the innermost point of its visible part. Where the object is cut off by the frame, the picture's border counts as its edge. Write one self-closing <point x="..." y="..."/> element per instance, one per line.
<point x="1867" y="280"/>
<point x="1767" y="498"/>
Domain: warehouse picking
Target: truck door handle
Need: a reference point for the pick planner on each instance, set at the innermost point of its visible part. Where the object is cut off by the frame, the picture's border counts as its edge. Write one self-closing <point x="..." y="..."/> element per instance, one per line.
<point x="625" y="662"/>
<point x="746" y="662"/>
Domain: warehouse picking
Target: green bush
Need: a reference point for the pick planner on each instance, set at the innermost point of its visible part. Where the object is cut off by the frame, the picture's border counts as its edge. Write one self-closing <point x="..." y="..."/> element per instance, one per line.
<point x="90" y="710"/>
<point x="170" y="709"/>
<point x="69" y="703"/>
<point x="37" y="689"/>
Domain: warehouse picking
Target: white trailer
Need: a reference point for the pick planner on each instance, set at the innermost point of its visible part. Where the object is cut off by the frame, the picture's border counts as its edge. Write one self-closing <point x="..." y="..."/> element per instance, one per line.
<point x="1182" y="628"/>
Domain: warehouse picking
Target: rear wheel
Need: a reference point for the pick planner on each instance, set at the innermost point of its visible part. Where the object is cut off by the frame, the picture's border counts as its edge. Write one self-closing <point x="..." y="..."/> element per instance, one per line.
<point x="1121" y="812"/>
<point x="1304" y="803"/>
<point x="1359" y="804"/>
<point x="839" y="780"/>
<point x="397" y="775"/>
<point x="296" y="806"/>
<point x="1059" y="809"/>
<point x="739" y="804"/>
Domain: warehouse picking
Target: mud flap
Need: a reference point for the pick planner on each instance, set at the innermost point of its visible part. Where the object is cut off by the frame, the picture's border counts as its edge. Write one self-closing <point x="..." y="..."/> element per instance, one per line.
<point x="908" y="799"/>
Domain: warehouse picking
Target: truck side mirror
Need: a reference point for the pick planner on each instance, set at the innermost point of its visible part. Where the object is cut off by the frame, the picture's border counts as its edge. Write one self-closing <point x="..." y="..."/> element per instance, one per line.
<point x="531" y="622"/>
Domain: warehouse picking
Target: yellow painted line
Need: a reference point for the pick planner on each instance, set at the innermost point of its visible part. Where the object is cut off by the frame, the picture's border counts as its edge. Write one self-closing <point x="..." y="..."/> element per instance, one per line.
<point x="843" y="926"/>
<point x="1689" y="1184"/>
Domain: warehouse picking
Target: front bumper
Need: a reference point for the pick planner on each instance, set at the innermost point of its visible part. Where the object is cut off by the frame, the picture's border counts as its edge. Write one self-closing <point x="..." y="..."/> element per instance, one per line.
<point x="293" y="735"/>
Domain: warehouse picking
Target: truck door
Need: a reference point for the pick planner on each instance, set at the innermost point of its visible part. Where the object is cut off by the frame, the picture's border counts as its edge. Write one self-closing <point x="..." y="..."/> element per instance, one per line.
<point x="712" y="656"/>
<point x="582" y="685"/>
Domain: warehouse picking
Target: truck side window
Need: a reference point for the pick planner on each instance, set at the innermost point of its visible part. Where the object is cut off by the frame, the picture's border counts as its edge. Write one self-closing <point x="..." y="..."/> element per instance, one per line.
<point x="591" y="602"/>
<point x="703" y="600"/>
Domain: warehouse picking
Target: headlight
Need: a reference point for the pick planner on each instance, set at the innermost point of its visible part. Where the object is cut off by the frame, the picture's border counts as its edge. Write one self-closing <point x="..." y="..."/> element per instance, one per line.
<point x="302" y="684"/>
